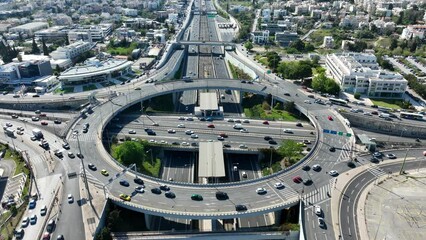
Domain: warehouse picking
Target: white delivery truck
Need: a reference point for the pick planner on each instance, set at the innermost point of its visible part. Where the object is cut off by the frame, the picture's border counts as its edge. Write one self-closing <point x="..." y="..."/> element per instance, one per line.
<point x="37" y="133"/>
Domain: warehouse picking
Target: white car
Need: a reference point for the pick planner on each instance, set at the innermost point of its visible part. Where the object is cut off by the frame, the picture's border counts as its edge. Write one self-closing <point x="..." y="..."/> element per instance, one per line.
<point x="132" y="132"/>
<point x="189" y="119"/>
<point x="189" y="132"/>
<point x="220" y="138"/>
<point x="70" y="198"/>
<point x="244" y="130"/>
<point x="71" y="155"/>
<point x="333" y="173"/>
<point x="163" y="142"/>
<point x="25" y="222"/>
<point x="316" y="167"/>
<point x="261" y="191"/>
<point x="246" y="121"/>
<point x="8" y="124"/>
<point x="307" y="102"/>
<point x="367" y="114"/>
<point x="318" y="210"/>
<point x="185" y="144"/>
<point x="33" y="219"/>
<point x="244" y="174"/>
<point x="194" y="136"/>
<point x="181" y="118"/>
<point x="171" y="131"/>
<point x="243" y="146"/>
<point x="287" y="131"/>
<point x="279" y="185"/>
<point x="391" y="156"/>
<point x="139" y="189"/>
<point x="181" y="126"/>
<point x="230" y="120"/>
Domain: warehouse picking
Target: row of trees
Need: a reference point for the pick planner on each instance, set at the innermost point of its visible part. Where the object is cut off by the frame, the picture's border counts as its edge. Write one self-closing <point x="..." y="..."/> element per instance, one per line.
<point x="296" y="69"/>
<point x="414" y="84"/>
<point x="322" y="83"/>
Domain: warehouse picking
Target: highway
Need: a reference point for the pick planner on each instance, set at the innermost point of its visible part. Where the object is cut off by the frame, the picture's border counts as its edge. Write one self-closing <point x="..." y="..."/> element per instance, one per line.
<point x="349" y="202"/>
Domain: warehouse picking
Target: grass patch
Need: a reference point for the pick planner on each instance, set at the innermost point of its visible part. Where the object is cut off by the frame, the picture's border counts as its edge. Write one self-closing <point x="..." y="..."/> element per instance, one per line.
<point x="388" y="103"/>
<point x="122" y="50"/>
<point x="89" y="87"/>
<point x="151" y="170"/>
<point x="13" y="223"/>
<point x="238" y="73"/>
<point x="258" y="112"/>
<point x="64" y="90"/>
<point x="317" y="36"/>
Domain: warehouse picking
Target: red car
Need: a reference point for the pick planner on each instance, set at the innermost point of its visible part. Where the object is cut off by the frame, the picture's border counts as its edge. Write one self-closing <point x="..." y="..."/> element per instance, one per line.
<point x="210" y="126"/>
<point x="42" y="115"/>
<point x="266" y="122"/>
<point x="297" y="179"/>
<point x="330" y="118"/>
<point x="44" y="123"/>
<point x="224" y="135"/>
<point x="374" y="113"/>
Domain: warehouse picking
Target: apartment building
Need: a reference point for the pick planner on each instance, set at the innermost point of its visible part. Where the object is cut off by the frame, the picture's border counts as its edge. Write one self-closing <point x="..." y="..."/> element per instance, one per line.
<point x="71" y="51"/>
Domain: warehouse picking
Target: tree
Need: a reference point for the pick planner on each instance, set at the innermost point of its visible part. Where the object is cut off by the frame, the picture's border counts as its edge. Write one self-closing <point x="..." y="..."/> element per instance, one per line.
<point x="248" y="45"/>
<point x="298" y="45"/>
<point x="35" y="49"/>
<point x="130" y="152"/>
<point x="273" y="59"/>
<point x="289" y="106"/>
<point x="289" y="149"/>
<point x="324" y="84"/>
<point x="357" y="95"/>
<point x="45" y="49"/>
<point x="393" y="43"/>
<point x="105" y="234"/>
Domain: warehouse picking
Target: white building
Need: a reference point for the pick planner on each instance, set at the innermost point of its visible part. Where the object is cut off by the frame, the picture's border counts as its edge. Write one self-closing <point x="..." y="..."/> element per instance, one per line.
<point x="29" y="28"/>
<point x="129" y="12"/>
<point x="90" y="33"/>
<point x="95" y="71"/>
<point x="266" y="15"/>
<point x="359" y="72"/>
<point x="260" y="37"/>
<point x="328" y="42"/>
<point x="413" y="31"/>
<point x="71" y="51"/>
<point x="173" y="17"/>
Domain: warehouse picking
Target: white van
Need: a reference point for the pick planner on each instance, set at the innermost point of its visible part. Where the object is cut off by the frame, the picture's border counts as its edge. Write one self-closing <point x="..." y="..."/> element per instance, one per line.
<point x="238" y="126"/>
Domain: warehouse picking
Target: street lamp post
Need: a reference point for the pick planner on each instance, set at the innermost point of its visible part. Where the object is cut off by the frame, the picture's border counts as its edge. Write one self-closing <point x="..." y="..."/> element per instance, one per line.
<point x="403" y="162"/>
<point x="76" y="134"/>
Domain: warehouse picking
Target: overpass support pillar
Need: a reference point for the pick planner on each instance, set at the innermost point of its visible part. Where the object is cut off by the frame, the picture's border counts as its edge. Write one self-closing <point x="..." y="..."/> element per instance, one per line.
<point x="175" y="98"/>
<point x="148" y="221"/>
<point x="277" y="217"/>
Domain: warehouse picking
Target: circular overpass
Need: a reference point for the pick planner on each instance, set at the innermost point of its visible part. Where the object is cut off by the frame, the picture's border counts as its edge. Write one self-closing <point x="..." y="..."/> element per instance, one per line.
<point x="239" y="192"/>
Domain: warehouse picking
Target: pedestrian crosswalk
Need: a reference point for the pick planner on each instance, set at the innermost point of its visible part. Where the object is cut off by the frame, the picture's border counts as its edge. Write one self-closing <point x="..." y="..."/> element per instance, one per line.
<point x="319" y="194"/>
<point x="376" y="171"/>
<point x="85" y="138"/>
<point x="91" y="179"/>
<point x="346" y="152"/>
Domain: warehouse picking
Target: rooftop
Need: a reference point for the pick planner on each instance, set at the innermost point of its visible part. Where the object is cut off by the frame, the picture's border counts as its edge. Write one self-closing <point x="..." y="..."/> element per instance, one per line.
<point x="208" y="101"/>
<point x="31" y="25"/>
<point x="211" y="163"/>
<point x="93" y="67"/>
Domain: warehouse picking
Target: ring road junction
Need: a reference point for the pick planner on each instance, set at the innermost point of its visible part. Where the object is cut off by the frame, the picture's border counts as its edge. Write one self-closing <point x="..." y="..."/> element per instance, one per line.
<point x="238" y="192"/>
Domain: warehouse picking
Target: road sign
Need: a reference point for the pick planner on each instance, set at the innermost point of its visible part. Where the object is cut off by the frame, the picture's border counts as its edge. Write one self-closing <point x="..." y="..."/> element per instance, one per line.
<point x="326" y="131"/>
<point x="268" y="71"/>
<point x="333" y="132"/>
<point x="337" y="133"/>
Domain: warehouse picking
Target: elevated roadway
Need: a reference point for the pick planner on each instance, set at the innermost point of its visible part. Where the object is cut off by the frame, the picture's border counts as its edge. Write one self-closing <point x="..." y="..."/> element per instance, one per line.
<point x="239" y="193"/>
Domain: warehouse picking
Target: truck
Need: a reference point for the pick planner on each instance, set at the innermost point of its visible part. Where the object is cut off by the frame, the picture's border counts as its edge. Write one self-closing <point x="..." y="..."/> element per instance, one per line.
<point x="384" y="115"/>
<point x="37" y="133"/>
<point x="9" y="131"/>
<point x="44" y="144"/>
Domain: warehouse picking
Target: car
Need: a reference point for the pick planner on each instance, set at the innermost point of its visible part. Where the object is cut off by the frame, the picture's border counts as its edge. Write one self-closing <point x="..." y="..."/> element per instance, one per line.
<point x="132" y="132"/>
<point x="377" y="154"/>
<point x="35" y="119"/>
<point x="170" y="194"/>
<point x="196" y="197"/>
<point x="297" y="179"/>
<point x="125" y="197"/>
<point x="185" y="144"/>
<point x="321" y="222"/>
<point x="171" y="131"/>
<point x="36" y="95"/>
<point x="124" y="183"/>
<point x="189" y="119"/>
<point x="79" y="155"/>
<point x="70" y="198"/>
<point x="351" y="164"/>
<point x="307" y="102"/>
<point x="33" y="219"/>
<point x="56" y="121"/>
<point x="156" y="190"/>
<point x="261" y="191"/>
<point x="287" y="130"/>
<point x="181" y="125"/>
<point x="181" y="118"/>
<point x="316" y="167"/>
<point x="5" y="92"/>
<point x="175" y="143"/>
<point x="43" y="210"/>
<point x="307" y="181"/>
<point x="220" y="138"/>
<point x="14" y="116"/>
<point x="66" y="146"/>
<point x="330" y="118"/>
<point x="32" y="204"/>
<point x="368" y="114"/>
<point x="194" y="144"/>
<point x="60" y="237"/>
<point x="279" y="185"/>
<point x="318" y="210"/>
<point x="139" y="189"/>
<point x="332" y="149"/>
<point x="244" y="174"/>
<point x="265" y="123"/>
<point x="333" y="173"/>
<point x="244" y="130"/>
<point x="299" y="124"/>
<point x="246" y="121"/>
<point x="230" y="120"/>
<point x="138" y="181"/>
<point x="50" y="225"/>
<point x="210" y="126"/>
<point x="25" y="222"/>
<point x="189" y="132"/>
<point x="240" y="207"/>
<point x="374" y="159"/>
<point x="391" y="156"/>
<point x="305" y="141"/>
<point x="375" y="113"/>
<point x="221" y="195"/>
<point x="224" y="135"/>
<point x="306" y="168"/>
<point x="267" y="138"/>
<point x="164" y="187"/>
<point x="242" y="146"/>
<point x="272" y="142"/>
<point x="92" y="166"/>
<point x="20" y="132"/>
<point x="104" y="172"/>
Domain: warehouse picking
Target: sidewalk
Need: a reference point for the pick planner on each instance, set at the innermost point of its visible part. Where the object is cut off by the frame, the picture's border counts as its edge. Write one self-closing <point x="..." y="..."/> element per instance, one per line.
<point x="92" y="215"/>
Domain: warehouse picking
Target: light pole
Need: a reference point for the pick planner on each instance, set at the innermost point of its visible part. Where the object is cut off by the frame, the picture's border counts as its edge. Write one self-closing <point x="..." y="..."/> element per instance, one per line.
<point x="76" y="134"/>
<point x="403" y="163"/>
<point x="150" y="150"/>
<point x="270" y="161"/>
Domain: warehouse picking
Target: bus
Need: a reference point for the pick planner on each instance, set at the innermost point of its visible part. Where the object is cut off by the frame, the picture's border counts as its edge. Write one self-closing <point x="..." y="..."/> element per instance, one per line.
<point x="338" y="101"/>
<point x="409" y="115"/>
<point x="385" y="109"/>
